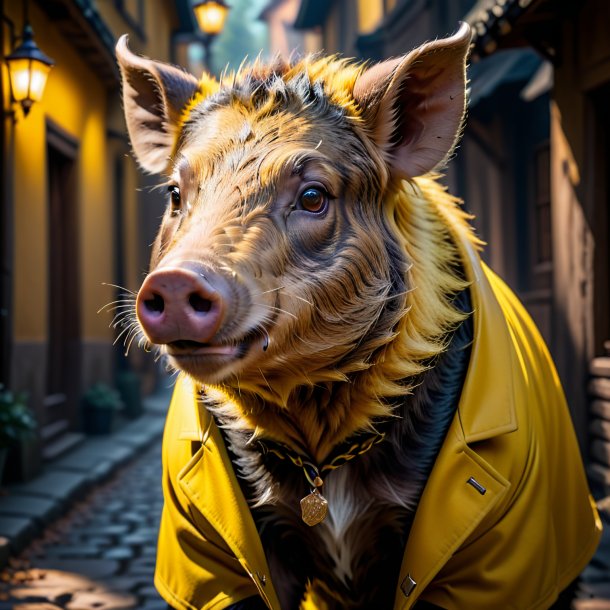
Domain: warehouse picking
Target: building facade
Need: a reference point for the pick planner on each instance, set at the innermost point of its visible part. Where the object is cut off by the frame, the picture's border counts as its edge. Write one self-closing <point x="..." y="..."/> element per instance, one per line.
<point x="77" y="214"/>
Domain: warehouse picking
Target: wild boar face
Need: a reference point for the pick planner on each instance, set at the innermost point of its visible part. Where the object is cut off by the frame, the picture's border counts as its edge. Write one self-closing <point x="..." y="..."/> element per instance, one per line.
<point x="276" y="264"/>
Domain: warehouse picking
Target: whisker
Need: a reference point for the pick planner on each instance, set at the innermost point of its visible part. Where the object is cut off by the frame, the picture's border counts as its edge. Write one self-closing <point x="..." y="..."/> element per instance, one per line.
<point x="273" y="307"/>
<point x="265" y="379"/>
<point x="135" y="334"/>
<point x="295" y="296"/>
<point x="128" y="329"/>
<point x="268" y="291"/>
<point x="116" y="304"/>
<point x="120" y="288"/>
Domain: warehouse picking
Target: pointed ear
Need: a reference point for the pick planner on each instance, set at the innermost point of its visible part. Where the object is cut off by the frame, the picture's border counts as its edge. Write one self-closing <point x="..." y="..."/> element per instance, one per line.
<point x="154" y="96"/>
<point x="414" y="105"/>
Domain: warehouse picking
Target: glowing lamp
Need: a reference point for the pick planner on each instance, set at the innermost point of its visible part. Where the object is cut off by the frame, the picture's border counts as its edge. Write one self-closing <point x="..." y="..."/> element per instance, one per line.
<point x="28" y="69"/>
<point x="211" y="16"/>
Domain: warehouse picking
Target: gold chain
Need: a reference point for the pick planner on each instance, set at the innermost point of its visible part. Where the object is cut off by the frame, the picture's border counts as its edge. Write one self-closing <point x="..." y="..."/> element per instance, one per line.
<point x="309" y="468"/>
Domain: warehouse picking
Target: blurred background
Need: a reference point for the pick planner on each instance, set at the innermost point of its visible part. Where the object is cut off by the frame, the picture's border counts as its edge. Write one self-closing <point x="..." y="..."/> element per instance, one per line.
<point x="77" y="216"/>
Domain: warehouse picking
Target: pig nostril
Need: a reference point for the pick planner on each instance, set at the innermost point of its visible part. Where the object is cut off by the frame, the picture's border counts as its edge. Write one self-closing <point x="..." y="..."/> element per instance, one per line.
<point x="200" y="304"/>
<point x="156" y="304"/>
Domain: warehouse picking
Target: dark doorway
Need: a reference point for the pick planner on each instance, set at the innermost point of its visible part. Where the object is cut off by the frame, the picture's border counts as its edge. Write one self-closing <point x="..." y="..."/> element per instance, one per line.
<point x="63" y="348"/>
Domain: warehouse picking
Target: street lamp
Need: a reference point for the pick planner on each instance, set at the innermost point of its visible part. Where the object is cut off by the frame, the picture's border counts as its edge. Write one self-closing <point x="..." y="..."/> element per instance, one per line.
<point x="28" y="68"/>
<point x="211" y="16"/>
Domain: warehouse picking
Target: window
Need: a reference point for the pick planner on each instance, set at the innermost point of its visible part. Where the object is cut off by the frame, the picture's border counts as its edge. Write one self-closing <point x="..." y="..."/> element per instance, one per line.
<point x="132" y="12"/>
<point x="543" y="251"/>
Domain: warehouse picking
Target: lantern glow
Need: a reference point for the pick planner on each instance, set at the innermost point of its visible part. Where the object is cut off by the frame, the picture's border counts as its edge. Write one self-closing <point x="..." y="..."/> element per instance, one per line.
<point x="28" y="69"/>
<point x="211" y="16"/>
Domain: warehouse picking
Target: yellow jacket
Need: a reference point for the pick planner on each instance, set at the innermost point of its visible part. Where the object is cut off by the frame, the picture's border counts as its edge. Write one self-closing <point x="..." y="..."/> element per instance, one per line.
<point x="514" y="546"/>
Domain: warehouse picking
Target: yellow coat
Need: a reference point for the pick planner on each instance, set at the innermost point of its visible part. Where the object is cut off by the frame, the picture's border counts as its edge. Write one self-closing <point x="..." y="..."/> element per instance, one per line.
<point x="514" y="546"/>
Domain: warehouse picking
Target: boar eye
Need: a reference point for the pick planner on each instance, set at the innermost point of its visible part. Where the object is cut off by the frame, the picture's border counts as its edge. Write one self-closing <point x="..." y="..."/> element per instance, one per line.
<point x="314" y="199"/>
<point x="174" y="197"/>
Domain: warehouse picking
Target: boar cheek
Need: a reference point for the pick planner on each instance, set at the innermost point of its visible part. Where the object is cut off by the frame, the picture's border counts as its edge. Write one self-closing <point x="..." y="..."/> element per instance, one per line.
<point x="311" y="236"/>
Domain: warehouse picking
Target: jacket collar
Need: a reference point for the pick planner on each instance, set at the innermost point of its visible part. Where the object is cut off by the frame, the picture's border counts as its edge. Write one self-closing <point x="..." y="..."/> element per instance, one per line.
<point x="210" y="483"/>
<point x="463" y="488"/>
<point x="487" y="403"/>
<point x="486" y="409"/>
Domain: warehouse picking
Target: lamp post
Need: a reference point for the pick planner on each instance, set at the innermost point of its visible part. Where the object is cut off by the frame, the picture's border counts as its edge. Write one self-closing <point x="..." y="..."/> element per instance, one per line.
<point x="211" y="16"/>
<point x="28" y="68"/>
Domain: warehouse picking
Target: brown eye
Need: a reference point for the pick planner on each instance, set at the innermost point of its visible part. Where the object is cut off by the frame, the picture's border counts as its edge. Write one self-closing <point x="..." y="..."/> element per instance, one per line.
<point x="175" y="200"/>
<point x="314" y="200"/>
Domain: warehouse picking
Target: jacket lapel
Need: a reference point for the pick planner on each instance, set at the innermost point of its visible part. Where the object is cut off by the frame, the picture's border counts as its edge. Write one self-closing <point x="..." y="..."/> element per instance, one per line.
<point x="211" y="485"/>
<point x="463" y="488"/>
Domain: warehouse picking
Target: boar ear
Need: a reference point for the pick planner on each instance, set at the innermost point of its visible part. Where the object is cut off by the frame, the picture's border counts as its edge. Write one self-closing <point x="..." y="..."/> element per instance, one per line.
<point x="414" y="105"/>
<point x="154" y="95"/>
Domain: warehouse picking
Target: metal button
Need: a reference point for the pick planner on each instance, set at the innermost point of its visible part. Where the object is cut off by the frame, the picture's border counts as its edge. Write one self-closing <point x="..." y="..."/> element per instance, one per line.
<point x="407" y="585"/>
<point x="262" y="578"/>
<point x="472" y="481"/>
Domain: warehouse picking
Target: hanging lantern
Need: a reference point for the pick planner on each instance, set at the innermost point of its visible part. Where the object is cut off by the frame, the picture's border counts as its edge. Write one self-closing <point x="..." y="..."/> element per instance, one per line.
<point x="211" y="16"/>
<point x="28" y="69"/>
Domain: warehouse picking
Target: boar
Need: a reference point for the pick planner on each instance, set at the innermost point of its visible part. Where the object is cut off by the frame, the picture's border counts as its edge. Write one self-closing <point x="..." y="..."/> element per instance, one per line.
<point x="365" y="415"/>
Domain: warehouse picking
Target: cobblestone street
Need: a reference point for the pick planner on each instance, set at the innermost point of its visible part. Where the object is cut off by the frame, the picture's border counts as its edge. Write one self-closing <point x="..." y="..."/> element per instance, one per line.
<point x="101" y="555"/>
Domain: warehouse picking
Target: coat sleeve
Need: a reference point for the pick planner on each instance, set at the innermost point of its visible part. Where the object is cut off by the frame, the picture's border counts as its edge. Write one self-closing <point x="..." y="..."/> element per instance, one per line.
<point x="195" y="569"/>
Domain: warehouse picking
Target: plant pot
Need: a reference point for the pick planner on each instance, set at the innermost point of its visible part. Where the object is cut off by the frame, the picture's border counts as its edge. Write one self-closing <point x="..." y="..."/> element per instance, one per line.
<point x="98" y="420"/>
<point x="128" y="385"/>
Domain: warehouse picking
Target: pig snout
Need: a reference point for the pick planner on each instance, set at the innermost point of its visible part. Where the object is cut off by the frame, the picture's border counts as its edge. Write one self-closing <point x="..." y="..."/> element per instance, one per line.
<point x="181" y="303"/>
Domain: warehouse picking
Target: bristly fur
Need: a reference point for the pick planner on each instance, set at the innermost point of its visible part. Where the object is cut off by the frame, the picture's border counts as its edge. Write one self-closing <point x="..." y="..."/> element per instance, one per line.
<point x="362" y="314"/>
<point x="376" y="493"/>
<point x="417" y="312"/>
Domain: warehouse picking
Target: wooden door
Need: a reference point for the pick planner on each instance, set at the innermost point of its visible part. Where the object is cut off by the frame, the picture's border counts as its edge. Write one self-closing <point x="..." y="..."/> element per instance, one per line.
<point x="63" y="347"/>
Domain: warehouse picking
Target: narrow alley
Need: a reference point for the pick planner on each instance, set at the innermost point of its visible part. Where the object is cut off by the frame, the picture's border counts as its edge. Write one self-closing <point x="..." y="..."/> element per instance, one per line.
<point x="101" y="555"/>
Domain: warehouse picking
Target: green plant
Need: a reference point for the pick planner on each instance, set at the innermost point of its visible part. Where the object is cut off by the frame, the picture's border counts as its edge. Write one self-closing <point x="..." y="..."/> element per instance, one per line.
<point x="101" y="396"/>
<point x="16" y="420"/>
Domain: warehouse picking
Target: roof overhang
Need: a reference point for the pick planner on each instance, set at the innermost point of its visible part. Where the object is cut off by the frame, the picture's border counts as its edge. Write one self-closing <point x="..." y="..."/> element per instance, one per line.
<point x="81" y="25"/>
<point x="312" y="13"/>
<point x="506" y="24"/>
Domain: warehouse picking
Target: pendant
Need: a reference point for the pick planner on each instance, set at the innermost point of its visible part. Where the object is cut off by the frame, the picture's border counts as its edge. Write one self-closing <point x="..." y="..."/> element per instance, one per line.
<point x="314" y="508"/>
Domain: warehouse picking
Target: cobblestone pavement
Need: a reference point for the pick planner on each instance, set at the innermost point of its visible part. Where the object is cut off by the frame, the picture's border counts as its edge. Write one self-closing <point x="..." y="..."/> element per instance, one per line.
<point x="101" y="555"/>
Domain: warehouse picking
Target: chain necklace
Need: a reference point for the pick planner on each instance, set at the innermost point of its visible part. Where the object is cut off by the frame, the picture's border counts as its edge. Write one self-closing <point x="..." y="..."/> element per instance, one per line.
<point x="314" y="506"/>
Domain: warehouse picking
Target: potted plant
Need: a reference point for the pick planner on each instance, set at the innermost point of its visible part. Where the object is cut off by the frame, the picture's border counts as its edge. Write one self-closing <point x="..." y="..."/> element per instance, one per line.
<point x="100" y="403"/>
<point x="17" y="422"/>
<point x="128" y="385"/>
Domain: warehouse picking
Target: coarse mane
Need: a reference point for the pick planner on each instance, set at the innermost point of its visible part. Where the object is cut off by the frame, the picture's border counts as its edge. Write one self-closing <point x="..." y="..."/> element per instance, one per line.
<point x="423" y="220"/>
<point x="262" y="86"/>
<point x="428" y="223"/>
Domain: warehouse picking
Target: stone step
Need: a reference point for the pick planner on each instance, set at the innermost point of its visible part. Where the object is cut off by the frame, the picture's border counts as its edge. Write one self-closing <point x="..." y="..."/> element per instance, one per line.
<point x="57" y="428"/>
<point x="601" y="408"/>
<point x="61" y="445"/>
<point x="599" y="473"/>
<point x="600" y="428"/>
<point x="18" y="530"/>
<point x="600" y="450"/>
<point x="591" y="604"/>
<point x="600" y="387"/>
<point x="597" y="590"/>
<point x="600" y="367"/>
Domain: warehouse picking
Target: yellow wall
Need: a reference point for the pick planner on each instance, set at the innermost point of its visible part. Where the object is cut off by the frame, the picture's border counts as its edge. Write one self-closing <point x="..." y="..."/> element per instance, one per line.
<point x="159" y="22"/>
<point x="370" y="14"/>
<point x="75" y="99"/>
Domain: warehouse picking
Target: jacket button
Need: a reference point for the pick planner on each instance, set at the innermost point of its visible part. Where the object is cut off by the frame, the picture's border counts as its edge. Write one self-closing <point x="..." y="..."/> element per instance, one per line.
<point x="262" y="578"/>
<point x="472" y="481"/>
<point x="407" y="585"/>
